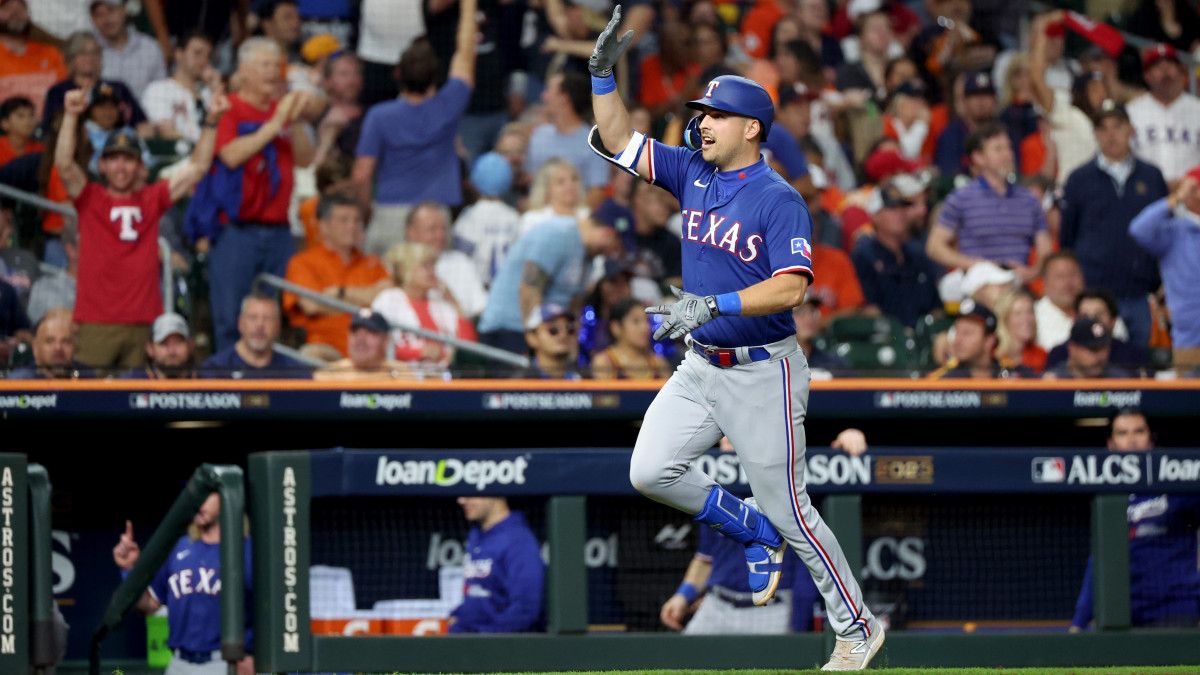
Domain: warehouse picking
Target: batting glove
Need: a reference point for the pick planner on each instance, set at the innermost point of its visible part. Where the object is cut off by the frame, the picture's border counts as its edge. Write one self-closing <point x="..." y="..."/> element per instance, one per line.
<point x="608" y="48"/>
<point x="686" y="315"/>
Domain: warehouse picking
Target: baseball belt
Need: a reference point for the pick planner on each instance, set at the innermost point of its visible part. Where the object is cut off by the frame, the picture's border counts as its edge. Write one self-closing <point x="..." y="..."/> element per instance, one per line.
<point x="735" y="356"/>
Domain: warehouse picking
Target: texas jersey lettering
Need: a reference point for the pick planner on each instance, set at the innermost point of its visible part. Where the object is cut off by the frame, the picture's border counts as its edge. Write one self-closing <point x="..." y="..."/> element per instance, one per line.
<point x="1166" y="136"/>
<point x="189" y="584"/>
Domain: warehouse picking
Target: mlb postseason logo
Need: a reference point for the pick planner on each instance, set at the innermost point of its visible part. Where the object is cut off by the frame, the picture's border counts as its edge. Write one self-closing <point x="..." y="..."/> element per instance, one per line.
<point x="1049" y="469"/>
<point x="800" y="245"/>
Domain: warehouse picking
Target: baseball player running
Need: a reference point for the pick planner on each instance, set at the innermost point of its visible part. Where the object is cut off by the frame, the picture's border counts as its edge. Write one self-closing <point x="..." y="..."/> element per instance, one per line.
<point x="746" y="264"/>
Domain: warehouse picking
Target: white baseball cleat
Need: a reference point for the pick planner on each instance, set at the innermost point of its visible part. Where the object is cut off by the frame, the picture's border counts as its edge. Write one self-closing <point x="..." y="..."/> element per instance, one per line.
<point x="765" y="564"/>
<point x="855" y="655"/>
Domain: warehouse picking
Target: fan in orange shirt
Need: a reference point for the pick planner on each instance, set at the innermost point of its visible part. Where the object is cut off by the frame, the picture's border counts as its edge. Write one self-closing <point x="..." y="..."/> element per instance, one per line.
<point x="27" y="68"/>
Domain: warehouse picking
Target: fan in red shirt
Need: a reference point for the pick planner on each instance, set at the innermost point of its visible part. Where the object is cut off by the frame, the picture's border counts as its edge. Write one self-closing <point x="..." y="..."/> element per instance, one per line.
<point x="259" y="144"/>
<point x="118" y="294"/>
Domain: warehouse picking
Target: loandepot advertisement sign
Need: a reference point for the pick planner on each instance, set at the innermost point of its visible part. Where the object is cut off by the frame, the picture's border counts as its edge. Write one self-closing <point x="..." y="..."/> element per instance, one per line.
<point x="450" y="472"/>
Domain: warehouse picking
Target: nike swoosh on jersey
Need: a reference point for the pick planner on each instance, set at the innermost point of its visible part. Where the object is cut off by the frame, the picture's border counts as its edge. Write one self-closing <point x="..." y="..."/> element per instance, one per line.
<point x="698" y="184"/>
<point x="182" y="554"/>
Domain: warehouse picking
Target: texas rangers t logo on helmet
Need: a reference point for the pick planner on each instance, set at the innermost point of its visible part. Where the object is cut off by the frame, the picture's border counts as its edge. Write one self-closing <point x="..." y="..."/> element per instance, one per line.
<point x="712" y="86"/>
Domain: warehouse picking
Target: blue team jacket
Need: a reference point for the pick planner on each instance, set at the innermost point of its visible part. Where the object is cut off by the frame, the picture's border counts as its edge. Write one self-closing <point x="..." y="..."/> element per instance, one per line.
<point x="1164" y="581"/>
<point x="504" y="576"/>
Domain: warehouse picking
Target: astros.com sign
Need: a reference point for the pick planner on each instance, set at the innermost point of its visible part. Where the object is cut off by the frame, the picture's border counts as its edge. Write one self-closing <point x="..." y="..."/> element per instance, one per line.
<point x="450" y="472"/>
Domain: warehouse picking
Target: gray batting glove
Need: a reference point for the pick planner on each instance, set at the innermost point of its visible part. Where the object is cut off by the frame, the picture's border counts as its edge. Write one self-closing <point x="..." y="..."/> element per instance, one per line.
<point x="684" y="316"/>
<point x="609" y="49"/>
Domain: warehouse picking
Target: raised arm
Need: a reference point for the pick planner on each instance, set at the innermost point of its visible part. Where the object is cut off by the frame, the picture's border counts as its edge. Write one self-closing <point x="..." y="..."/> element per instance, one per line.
<point x="238" y="151"/>
<point x="73" y="177"/>
<point x="181" y="182"/>
<point x="612" y="118"/>
<point x="462" y="64"/>
<point x="1042" y="92"/>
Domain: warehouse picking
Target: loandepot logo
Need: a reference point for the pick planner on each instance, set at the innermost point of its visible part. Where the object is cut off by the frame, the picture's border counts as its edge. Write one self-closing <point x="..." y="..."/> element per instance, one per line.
<point x="376" y="401"/>
<point x="28" y="402"/>
<point x="1108" y="399"/>
<point x="450" y="472"/>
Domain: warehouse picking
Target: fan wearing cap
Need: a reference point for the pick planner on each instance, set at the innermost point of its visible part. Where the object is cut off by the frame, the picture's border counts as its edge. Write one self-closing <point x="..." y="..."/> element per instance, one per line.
<point x="1102" y="306"/>
<point x="1088" y="353"/>
<point x="130" y="55"/>
<point x="550" y="334"/>
<point x="896" y="275"/>
<point x="1099" y="201"/>
<point x="368" y="349"/>
<point x="808" y="325"/>
<point x="951" y="154"/>
<point x="1167" y="229"/>
<point x="118" y="294"/>
<point x="170" y="351"/>
<point x="972" y="347"/>
<point x="747" y="261"/>
<point x="1166" y="119"/>
<point x="486" y="229"/>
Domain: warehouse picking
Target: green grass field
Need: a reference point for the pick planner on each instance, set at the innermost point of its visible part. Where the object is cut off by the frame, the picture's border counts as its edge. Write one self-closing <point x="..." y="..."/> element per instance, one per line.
<point x="1122" y="670"/>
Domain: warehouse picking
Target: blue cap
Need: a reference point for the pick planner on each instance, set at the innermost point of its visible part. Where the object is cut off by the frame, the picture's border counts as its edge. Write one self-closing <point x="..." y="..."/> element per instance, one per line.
<point x="547" y="312"/>
<point x="979" y="82"/>
<point x="372" y="321"/>
<point x="492" y="175"/>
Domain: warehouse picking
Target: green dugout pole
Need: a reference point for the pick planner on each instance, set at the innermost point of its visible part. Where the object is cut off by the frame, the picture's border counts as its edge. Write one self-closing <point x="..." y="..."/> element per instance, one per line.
<point x="280" y="492"/>
<point x="41" y="585"/>
<point x="566" y="587"/>
<point x="14" y="564"/>
<point x="1110" y="561"/>
<point x="233" y="562"/>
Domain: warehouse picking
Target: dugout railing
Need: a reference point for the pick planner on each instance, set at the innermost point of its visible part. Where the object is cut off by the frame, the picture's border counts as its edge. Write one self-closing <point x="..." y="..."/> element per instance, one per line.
<point x="282" y="486"/>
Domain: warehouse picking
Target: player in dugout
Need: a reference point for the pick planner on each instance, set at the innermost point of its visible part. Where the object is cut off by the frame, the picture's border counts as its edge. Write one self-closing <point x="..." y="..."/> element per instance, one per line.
<point x="1164" y="582"/>
<point x="503" y="571"/>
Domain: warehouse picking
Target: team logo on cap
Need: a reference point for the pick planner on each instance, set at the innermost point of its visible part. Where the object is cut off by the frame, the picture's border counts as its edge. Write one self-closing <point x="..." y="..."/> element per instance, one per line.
<point x="981" y="80"/>
<point x="1097" y="330"/>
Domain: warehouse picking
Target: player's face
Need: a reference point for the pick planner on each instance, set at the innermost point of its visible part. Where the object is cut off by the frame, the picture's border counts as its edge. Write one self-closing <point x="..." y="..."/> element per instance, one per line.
<point x="366" y="348"/>
<point x="970" y="341"/>
<point x="172" y="353"/>
<point x="1089" y="362"/>
<point x="120" y="170"/>
<point x="54" y="345"/>
<point x="1130" y="433"/>
<point x="20" y="123"/>
<point x="343" y="229"/>
<point x="996" y="156"/>
<point x="209" y="511"/>
<point x="194" y="58"/>
<point x="724" y="136"/>
<point x="108" y="19"/>
<point x="1021" y="322"/>
<point x="1064" y="281"/>
<point x="1113" y="135"/>
<point x="259" y="325"/>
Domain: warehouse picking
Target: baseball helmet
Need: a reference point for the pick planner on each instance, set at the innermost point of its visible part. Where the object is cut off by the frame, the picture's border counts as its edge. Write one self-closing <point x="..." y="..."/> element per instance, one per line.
<point x="732" y="94"/>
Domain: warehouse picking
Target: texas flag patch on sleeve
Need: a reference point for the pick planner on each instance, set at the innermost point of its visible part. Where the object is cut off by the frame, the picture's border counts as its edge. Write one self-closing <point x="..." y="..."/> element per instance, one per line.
<point x="800" y="245"/>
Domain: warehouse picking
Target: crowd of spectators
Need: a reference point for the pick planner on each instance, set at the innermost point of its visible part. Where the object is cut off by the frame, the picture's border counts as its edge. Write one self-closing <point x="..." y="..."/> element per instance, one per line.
<point x="1009" y="195"/>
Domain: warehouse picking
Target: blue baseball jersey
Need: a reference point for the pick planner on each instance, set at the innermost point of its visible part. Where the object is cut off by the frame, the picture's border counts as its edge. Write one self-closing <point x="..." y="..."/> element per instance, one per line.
<point x="728" y="560"/>
<point x="504" y="577"/>
<point x="189" y="584"/>
<point x="1164" y="561"/>
<point x="739" y="228"/>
